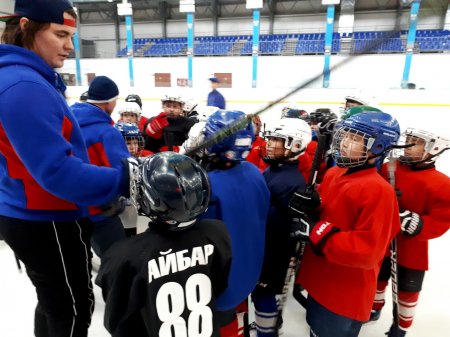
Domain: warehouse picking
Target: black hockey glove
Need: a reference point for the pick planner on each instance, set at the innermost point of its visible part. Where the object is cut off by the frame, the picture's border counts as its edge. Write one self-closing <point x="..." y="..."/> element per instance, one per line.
<point x="316" y="233"/>
<point x="326" y="126"/>
<point x="115" y="207"/>
<point x="305" y="202"/>
<point x="411" y="223"/>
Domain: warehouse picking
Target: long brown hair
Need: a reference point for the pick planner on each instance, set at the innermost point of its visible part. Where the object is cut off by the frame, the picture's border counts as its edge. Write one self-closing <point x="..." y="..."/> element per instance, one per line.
<point x="14" y="35"/>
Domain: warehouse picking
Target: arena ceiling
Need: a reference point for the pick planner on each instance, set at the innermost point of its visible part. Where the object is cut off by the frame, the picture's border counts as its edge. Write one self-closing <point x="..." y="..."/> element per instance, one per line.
<point x="93" y="11"/>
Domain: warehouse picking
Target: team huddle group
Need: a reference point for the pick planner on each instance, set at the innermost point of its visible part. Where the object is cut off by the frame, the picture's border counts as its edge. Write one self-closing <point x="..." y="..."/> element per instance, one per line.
<point x="349" y="211"/>
<point x="232" y="215"/>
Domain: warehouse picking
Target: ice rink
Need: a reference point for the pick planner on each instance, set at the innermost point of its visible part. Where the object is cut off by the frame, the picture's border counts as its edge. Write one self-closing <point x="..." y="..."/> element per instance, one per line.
<point x="18" y="300"/>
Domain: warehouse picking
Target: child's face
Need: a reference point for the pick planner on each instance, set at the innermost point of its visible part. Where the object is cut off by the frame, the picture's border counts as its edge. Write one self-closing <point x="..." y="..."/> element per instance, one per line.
<point x="353" y="146"/>
<point x="275" y="147"/>
<point x="129" y="117"/>
<point x="172" y="108"/>
<point x="314" y="126"/>
<point x="350" y="104"/>
<point x="133" y="147"/>
<point x="416" y="151"/>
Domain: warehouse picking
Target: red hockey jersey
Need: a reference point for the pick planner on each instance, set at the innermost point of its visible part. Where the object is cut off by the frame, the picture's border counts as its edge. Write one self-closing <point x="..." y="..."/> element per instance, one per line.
<point x="427" y="193"/>
<point x="363" y="206"/>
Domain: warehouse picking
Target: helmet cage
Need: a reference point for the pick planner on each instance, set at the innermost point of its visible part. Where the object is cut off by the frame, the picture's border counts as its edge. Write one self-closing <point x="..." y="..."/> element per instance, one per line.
<point x="350" y="147"/>
<point x="135" y="145"/>
<point x="132" y="136"/>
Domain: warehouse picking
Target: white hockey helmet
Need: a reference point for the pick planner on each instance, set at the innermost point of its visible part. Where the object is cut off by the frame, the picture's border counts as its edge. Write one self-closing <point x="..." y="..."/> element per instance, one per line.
<point x="130" y="107"/>
<point x="434" y="145"/>
<point x="173" y="98"/>
<point x="189" y="105"/>
<point x="295" y="132"/>
<point x="205" y="111"/>
<point x="356" y="100"/>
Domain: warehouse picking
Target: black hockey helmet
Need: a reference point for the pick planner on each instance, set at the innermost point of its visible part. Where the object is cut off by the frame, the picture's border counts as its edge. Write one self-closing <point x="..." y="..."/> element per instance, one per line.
<point x="321" y="114"/>
<point x="175" y="190"/>
<point x="84" y="96"/>
<point x="134" y="98"/>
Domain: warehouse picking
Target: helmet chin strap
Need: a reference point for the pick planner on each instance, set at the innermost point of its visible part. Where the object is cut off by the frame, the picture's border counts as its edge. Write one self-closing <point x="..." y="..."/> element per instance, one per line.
<point x="427" y="160"/>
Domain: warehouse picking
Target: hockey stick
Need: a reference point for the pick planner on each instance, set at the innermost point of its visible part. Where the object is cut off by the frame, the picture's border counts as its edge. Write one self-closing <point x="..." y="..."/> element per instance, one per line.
<point x="391" y="167"/>
<point x="310" y="187"/>
<point x="242" y="122"/>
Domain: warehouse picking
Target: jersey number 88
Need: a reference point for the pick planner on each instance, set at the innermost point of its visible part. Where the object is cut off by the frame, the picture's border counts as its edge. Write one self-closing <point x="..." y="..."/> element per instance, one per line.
<point x="171" y="301"/>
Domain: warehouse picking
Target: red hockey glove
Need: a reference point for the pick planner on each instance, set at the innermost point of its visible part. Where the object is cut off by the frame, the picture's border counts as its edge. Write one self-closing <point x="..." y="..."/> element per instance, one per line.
<point x="317" y="234"/>
<point x="320" y="234"/>
<point x="411" y="223"/>
<point x="155" y="128"/>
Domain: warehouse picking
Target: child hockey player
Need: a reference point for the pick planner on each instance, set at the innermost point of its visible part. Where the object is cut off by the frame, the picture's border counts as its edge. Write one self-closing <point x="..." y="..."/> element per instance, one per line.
<point x="240" y="198"/>
<point x="129" y="113"/>
<point x="358" y="217"/>
<point x="258" y="150"/>
<point x="165" y="281"/>
<point x="286" y="141"/>
<point x="135" y="144"/>
<point x="424" y="215"/>
<point x="168" y="130"/>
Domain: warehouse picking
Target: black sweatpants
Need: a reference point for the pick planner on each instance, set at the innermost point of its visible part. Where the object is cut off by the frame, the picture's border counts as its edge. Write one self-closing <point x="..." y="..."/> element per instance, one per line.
<point x="57" y="257"/>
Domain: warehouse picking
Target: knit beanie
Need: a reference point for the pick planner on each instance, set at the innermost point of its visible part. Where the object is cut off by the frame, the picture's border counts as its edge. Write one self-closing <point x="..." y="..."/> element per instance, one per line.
<point x="102" y="90"/>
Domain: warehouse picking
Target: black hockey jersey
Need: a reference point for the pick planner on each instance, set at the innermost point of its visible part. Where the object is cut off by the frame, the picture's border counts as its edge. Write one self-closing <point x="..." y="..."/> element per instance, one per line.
<point x="165" y="283"/>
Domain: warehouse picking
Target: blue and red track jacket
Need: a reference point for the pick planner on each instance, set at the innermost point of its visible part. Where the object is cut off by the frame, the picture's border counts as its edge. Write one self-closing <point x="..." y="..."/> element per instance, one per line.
<point x="44" y="167"/>
<point x="105" y="144"/>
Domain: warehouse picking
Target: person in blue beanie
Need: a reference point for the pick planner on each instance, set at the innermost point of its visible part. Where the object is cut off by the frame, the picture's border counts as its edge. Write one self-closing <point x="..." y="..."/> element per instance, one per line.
<point x="106" y="147"/>
<point x="46" y="181"/>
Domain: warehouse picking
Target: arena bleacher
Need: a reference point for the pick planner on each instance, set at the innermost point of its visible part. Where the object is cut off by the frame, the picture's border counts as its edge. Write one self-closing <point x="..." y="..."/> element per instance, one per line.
<point x="292" y="44"/>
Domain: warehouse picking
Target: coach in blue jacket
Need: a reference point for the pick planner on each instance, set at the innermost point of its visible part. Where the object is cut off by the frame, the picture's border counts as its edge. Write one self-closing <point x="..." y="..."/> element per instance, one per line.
<point x="215" y="98"/>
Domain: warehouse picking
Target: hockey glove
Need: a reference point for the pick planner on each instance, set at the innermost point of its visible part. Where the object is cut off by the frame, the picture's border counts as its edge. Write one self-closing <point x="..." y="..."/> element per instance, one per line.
<point x="156" y="126"/>
<point x="114" y="207"/>
<point x="132" y="168"/>
<point x="326" y="126"/>
<point x="305" y="202"/>
<point x="320" y="234"/>
<point x="316" y="233"/>
<point x="411" y="223"/>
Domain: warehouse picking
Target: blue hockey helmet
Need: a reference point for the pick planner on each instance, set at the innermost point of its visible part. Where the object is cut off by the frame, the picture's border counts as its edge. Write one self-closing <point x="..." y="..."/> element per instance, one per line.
<point x="236" y="146"/>
<point x="379" y="131"/>
<point x="133" y="137"/>
<point x="128" y="129"/>
<point x="175" y="190"/>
